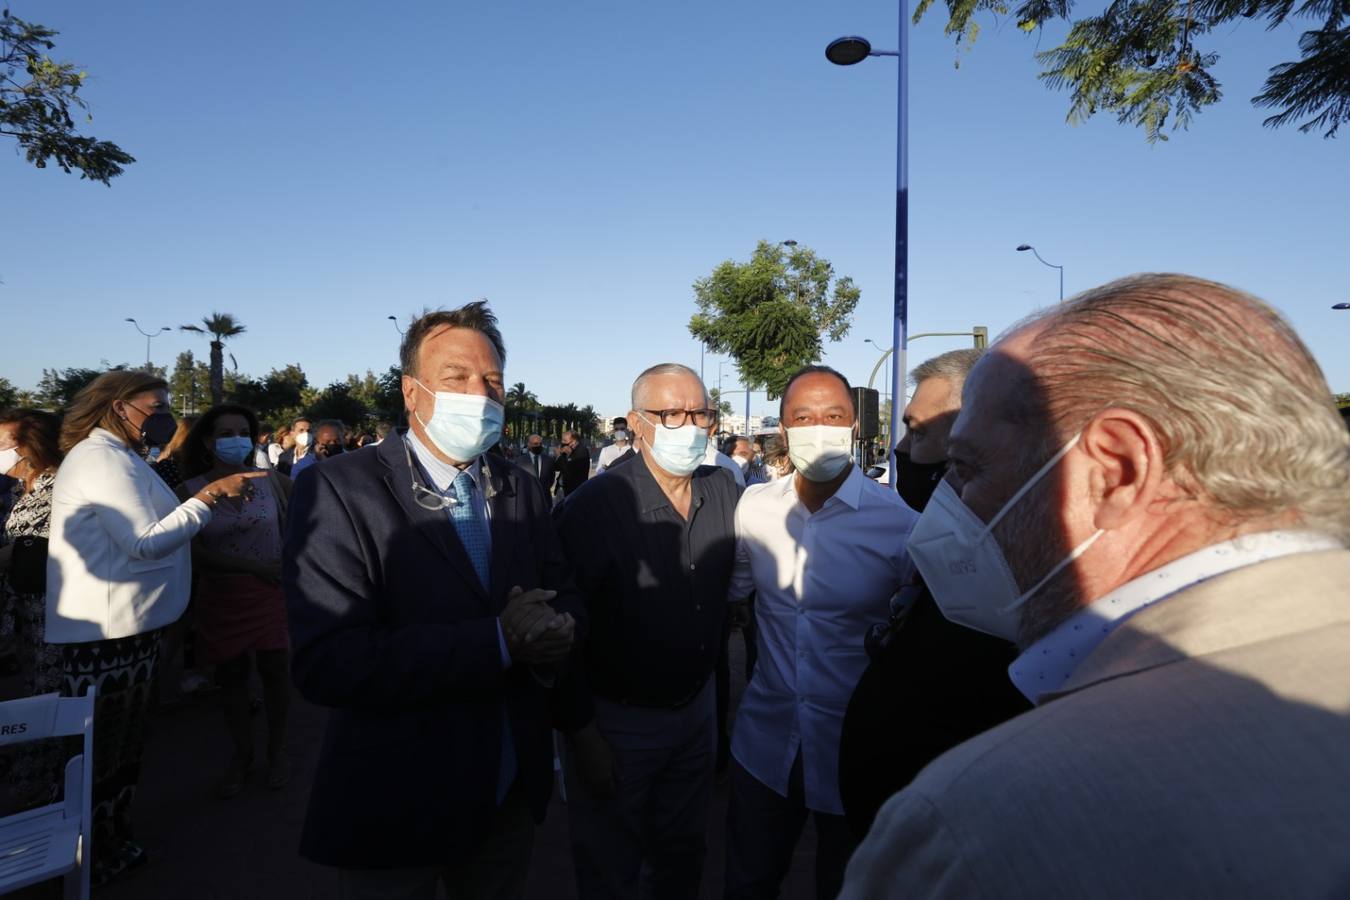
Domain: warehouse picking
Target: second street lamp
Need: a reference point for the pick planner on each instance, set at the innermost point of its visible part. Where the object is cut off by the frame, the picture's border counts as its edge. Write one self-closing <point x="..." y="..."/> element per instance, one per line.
<point x="149" y="336"/>
<point x="1021" y="248"/>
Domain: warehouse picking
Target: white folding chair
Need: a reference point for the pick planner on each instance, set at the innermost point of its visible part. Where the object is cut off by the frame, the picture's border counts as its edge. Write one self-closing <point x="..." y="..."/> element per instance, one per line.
<point x="52" y="841"/>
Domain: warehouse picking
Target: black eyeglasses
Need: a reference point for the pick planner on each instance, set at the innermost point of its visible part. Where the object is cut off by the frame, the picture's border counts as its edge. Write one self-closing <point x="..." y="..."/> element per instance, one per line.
<point x="676" y="418"/>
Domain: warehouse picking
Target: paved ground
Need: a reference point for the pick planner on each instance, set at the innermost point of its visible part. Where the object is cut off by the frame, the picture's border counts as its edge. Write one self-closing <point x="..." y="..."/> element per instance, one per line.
<point x="208" y="849"/>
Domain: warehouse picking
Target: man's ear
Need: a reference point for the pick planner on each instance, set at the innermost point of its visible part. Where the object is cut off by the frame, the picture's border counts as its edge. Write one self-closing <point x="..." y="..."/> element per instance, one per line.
<point x="1127" y="465"/>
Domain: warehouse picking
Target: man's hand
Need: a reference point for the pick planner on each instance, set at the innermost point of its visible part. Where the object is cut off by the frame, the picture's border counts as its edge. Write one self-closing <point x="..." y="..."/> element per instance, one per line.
<point x="595" y="763"/>
<point x="535" y="632"/>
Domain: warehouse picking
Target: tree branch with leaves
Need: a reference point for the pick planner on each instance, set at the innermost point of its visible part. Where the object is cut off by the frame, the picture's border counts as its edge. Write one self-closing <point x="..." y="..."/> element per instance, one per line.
<point x="1150" y="63"/>
<point x="772" y="313"/>
<point x="37" y="110"/>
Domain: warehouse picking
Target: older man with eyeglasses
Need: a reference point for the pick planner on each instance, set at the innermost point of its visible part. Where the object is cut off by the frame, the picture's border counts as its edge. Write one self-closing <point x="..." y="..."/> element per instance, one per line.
<point x="652" y="545"/>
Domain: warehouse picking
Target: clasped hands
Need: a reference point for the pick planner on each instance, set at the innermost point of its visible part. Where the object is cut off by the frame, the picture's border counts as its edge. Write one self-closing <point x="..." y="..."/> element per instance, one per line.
<point x="535" y="632"/>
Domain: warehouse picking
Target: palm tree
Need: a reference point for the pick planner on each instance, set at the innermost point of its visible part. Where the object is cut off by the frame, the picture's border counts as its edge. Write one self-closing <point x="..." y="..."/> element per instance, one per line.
<point x="221" y="327"/>
<point x="519" y="398"/>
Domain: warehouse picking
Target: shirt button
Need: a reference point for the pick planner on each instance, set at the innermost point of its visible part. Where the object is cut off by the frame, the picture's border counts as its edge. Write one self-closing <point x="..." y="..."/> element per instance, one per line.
<point x="700" y="646"/>
<point x="697" y="607"/>
<point x="692" y="567"/>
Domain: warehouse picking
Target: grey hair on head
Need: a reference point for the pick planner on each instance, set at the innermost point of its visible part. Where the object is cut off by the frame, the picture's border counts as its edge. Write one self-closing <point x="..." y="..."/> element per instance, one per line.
<point x="640" y="384"/>
<point x="1241" y="408"/>
<point x="953" y="366"/>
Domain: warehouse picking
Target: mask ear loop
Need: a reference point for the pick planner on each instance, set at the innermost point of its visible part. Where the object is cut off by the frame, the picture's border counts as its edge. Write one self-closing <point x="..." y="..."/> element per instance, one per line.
<point x="1030" y="483"/>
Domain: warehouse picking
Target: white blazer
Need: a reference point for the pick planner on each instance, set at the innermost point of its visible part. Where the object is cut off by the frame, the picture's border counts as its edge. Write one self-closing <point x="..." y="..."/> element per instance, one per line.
<point x="118" y="561"/>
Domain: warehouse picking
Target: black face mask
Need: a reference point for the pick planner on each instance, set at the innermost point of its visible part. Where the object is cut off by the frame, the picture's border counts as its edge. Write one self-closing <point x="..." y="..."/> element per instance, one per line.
<point x="158" y="429"/>
<point x="917" y="481"/>
<point x="333" y="449"/>
<point x="536" y="450"/>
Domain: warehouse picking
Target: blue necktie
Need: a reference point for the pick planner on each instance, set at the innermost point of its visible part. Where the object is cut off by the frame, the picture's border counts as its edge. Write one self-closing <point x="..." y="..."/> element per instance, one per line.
<point x="470" y="528"/>
<point x="473" y="535"/>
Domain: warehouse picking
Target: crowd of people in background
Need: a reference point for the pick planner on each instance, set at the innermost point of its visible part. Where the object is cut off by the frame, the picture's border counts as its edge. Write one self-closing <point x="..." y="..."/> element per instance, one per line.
<point x="1090" y="643"/>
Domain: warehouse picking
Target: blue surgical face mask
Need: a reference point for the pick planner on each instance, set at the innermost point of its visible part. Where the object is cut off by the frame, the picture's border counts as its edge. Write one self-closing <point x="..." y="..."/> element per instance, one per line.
<point x="463" y="426"/>
<point x="233" y="450"/>
<point x="678" y="451"/>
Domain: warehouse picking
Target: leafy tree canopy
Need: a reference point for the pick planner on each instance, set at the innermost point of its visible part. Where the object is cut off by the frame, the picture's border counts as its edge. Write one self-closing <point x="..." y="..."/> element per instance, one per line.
<point x="771" y="313"/>
<point x="36" y="107"/>
<point x="1150" y="63"/>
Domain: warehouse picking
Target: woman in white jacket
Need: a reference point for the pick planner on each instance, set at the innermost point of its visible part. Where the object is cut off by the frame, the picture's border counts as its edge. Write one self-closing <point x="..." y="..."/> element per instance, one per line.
<point x="118" y="572"/>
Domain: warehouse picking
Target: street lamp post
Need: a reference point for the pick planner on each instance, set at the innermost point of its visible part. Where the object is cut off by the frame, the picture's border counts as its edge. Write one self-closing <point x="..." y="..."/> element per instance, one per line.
<point x="980" y="333"/>
<point x="149" y="335"/>
<point x="394" y="319"/>
<point x="1024" y="247"/>
<point x="847" y="51"/>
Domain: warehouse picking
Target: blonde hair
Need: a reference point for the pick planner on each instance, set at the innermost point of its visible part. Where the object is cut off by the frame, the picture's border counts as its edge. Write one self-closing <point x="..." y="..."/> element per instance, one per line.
<point x="93" y="406"/>
<point x="174" y="448"/>
<point x="1242" y="410"/>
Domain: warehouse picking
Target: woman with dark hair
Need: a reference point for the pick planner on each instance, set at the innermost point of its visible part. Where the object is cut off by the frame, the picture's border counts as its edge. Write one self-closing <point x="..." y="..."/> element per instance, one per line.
<point x="239" y="606"/>
<point x="30" y="453"/>
<point x="118" y="571"/>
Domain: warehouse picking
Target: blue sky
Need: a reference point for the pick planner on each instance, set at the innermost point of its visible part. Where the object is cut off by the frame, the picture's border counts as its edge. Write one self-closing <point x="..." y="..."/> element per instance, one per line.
<point x="315" y="167"/>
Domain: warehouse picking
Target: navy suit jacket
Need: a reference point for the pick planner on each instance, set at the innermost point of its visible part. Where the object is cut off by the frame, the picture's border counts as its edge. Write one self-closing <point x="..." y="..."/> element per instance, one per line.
<point x="392" y="630"/>
<point x="546" y="467"/>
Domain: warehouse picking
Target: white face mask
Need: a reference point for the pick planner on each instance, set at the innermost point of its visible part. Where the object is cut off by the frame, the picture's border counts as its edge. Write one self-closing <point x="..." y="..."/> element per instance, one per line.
<point x="302" y="439"/>
<point x="820" y="452"/>
<point x="678" y="451"/>
<point x="463" y="426"/>
<point x="9" y="458"/>
<point x="964" y="567"/>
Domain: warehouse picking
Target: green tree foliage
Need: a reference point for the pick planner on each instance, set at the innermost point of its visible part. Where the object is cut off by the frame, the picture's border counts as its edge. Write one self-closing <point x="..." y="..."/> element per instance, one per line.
<point x="277" y="398"/>
<point x="339" y="401"/>
<point x="771" y="313"/>
<point x="221" y="327"/>
<point x="553" y="419"/>
<point x="9" y="394"/>
<point x="37" y="109"/>
<point x="1150" y="63"/>
<point x="59" y="386"/>
<point x="723" y="407"/>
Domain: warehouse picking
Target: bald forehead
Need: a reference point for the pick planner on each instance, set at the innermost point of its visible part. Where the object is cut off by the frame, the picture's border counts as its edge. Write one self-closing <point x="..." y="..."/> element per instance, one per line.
<point x="673" y="390"/>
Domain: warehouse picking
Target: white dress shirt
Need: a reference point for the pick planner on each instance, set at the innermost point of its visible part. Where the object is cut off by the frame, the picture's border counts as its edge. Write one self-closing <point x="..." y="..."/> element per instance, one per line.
<point x="1046" y="665"/>
<point x="820" y="580"/>
<point x="608" y="455"/>
<point x="119" y="561"/>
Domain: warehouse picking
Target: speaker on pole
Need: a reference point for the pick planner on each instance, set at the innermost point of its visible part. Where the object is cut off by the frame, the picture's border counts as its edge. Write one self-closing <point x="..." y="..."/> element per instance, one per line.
<point x="865" y="410"/>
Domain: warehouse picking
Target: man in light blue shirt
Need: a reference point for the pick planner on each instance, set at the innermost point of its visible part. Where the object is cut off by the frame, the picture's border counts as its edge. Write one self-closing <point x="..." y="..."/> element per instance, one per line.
<point x="823" y="552"/>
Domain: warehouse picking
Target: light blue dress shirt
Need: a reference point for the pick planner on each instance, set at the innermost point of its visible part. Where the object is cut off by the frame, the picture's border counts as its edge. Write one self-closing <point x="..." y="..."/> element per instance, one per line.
<point x="820" y="580"/>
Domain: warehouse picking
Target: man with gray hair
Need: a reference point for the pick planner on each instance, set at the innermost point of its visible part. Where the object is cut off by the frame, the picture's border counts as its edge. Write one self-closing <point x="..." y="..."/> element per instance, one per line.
<point x="652" y="546"/>
<point x="1168" y="544"/>
<point x="930" y="683"/>
<point x="921" y="455"/>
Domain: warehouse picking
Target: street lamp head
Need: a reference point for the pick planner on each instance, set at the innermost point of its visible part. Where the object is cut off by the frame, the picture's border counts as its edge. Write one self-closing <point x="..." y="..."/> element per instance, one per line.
<point x="132" y="321"/>
<point x="1022" y="247"/>
<point x="392" y="318"/>
<point x="788" y="243"/>
<point x="848" y="51"/>
<point x="1341" y="306"/>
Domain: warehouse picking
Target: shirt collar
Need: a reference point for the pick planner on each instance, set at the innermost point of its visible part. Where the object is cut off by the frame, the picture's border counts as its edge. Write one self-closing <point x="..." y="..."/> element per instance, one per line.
<point x="649" y="493"/>
<point x="1047" y="665"/>
<point x="849" y="493"/>
<point x="442" y="474"/>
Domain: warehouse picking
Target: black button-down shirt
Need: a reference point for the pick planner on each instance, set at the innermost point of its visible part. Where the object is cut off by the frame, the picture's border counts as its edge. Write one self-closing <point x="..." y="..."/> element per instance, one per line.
<point x="655" y="585"/>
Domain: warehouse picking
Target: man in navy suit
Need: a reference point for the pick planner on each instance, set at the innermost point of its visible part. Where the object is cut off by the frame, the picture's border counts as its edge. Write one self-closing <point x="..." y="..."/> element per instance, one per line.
<point x="537" y="462"/>
<point x="430" y="608"/>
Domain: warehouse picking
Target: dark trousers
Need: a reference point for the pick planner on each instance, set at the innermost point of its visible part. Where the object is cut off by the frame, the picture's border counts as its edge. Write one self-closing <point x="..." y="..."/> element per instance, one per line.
<point x="749" y="634"/>
<point x="762" y="833"/>
<point x="123" y="671"/>
<point x="496" y="870"/>
<point x="649" y="840"/>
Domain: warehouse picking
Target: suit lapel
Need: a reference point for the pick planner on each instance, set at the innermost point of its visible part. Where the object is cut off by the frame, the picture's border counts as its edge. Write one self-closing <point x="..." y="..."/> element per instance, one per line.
<point x="434" y="525"/>
<point x="505" y="515"/>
